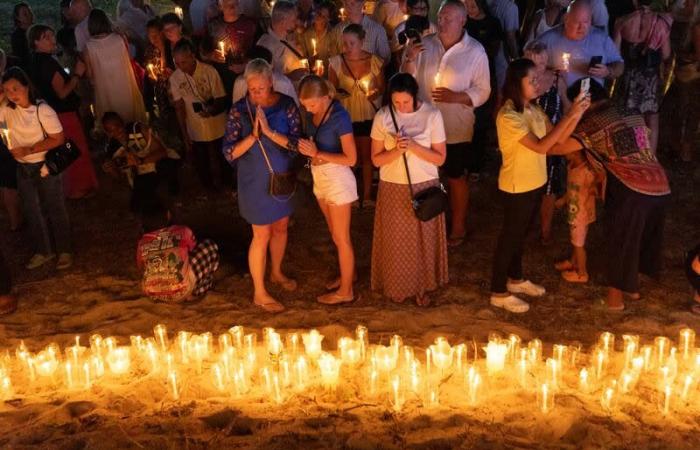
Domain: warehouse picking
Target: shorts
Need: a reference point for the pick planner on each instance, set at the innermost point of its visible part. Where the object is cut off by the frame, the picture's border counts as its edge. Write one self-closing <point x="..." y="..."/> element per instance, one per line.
<point x="363" y="128"/>
<point x="456" y="161"/>
<point x="578" y="234"/>
<point x="334" y="184"/>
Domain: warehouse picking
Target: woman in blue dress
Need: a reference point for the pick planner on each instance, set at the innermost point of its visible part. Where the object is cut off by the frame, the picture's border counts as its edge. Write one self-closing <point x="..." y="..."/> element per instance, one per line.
<point x="262" y="127"/>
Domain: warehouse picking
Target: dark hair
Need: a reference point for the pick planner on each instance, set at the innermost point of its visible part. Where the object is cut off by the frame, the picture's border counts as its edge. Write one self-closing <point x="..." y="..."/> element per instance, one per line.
<point x="259" y="52"/>
<point x="356" y="29"/>
<point x="112" y="117"/>
<point x="596" y="91"/>
<point x="170" y="19"/>
<point x="154" y="214"/>
<point x="65" y="37"/>
<point x="403" y="82"/>
<point x="413" y="3"/>
<point x="483" y="7"/>
<point x="19" y="75"/>
<point x="184" y="45"/>
<point x="512" y="86"/>
<point x="17" y="8"/>
<point x="156" y="23"/>
<point x="99" y="23"/>
<point x="329" y="6"/>
<point x="35" y="33"/>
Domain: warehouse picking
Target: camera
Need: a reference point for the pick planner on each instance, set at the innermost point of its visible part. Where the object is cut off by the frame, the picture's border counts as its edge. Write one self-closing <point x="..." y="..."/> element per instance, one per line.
<point x="415" y="27"/>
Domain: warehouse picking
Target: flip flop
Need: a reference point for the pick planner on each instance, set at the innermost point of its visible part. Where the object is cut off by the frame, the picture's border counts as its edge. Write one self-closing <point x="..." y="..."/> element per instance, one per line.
<point x="455" y="241"/>
<point x="334" y="299"/>
<point x="564" y="265"/>
<point x="272" y="306"/>
<point x="574" y="277"/>
<point x="288" y="285"/>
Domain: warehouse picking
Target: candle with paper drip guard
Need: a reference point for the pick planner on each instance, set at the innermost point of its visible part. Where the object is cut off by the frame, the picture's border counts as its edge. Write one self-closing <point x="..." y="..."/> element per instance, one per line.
<point x="151" y="70"/>
<point x="319" y="68"/>
<point x="565" y="61"/>
<point x="178" y="12"/>
<point x="222" y="49"/>
<point x="304" y="63"/>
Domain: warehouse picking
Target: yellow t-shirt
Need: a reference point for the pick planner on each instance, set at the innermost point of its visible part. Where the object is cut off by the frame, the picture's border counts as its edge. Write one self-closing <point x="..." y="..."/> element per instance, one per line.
<point x="522" y="169"/>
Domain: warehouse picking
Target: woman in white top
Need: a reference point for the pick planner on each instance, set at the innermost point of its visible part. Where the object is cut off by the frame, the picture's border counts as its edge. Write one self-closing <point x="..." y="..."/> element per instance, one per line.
<point x="357" y="76"/>
<point x="525" y="136"/>
<point x="34" y="129"/>
<point x="109" y="68"/>
<point x="547" y="18"/>
<point x="409" y="257"/>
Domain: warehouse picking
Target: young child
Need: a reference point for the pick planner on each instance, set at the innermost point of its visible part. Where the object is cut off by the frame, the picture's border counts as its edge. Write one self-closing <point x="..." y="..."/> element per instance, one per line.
<point x="582" y="190"/>
<point x="175" y="267"/>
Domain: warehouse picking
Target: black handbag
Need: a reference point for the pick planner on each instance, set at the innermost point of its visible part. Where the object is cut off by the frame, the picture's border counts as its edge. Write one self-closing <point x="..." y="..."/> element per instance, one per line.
<point x="60" y="158"/>
<point x="282" y="185"/>
<point x="428" y="203"/>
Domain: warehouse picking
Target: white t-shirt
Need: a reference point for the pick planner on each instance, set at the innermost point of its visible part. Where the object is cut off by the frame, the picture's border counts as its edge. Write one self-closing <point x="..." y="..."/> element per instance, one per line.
<point x="425" y="126"/>
<point x="280" y="83"/>
<point x="25" y="129"/>
<point x="204" y="85"/>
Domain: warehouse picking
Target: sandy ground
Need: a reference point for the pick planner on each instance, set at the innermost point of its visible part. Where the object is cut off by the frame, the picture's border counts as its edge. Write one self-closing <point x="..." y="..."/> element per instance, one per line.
<point x="100" y="294"/>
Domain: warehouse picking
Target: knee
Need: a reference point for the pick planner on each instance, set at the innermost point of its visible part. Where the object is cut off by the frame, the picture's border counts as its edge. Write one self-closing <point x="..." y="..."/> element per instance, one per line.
<point x="261" y="235"/>
<point x="279" y="228"/>
<point x="341" y="239"/>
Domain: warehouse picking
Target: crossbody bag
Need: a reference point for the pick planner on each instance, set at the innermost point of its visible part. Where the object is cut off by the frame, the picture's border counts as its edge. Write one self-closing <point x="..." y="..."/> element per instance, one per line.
<point x="60" y="158"/>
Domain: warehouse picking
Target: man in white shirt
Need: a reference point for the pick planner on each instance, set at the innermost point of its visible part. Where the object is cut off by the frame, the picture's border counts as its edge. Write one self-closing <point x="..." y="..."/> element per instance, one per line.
<point x="375" y="41"/>
<point x="79" y="13"/>
<point x="200" y="100"/>
<point x="452" y="71"/>
<point x="286" y="55"/>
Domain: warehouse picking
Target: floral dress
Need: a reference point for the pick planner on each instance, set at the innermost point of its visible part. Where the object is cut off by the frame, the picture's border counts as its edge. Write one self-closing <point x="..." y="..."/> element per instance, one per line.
<point x="255" y="203"/>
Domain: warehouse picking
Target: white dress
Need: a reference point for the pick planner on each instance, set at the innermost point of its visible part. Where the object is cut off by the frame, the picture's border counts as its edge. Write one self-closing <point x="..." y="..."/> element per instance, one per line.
<point x="113" y="78"/>
<point x="357" y="104"/>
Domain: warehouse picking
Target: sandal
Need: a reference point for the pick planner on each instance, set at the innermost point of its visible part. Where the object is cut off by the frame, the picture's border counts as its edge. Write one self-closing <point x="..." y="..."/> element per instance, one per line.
<point x="564" y="265"/>
<point x="287" y="284"/>
<point x="270" y="305"/>
<point x="423" y="300"/>
<point x="335" y="299"/>
<point x="574" y="277"/>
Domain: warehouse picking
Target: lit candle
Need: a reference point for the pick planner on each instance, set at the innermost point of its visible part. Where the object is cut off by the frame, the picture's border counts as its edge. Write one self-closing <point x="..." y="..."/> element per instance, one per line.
<point x="350" y="352"/>
<point x="274" y="348"/>
<point x="405" y="17"/>
<point x="687" y="343"/>
<point x="312" y="343"/>
<point x="293" y="343"/>
<point x="237" y="336"/>
<point x="662" y="346"/>
<point x="647" y="351"/>
<point x="373" y="377"/>
<point x="5" y="386"/>
<point x="407" y="356"/>
<point x="523" y="371"/>
<point x="559" y="354"/>
<point x="92" y="110"/>
<point x="45" y="363"/>
<point x="395" y="343"/>
<point x="473" y="385"/>
<point x="495" y="356"/>
<point x="534" y="348"/>
<point x="182" y="340"/>
<point x="6" y="136"/>
<point x="222" y="49"/>
<point x="441" y="355"/>
<point x="565" y="59"/>
<point x="583" y="382"/>
<point x="318" y="68"/>
<point x="276" y="388"/>
<point x="151" y="70"/>
<point x="688" y="383"/>
<point x="460" y="353"/>
<point x="172" y="380"/>
<point x="514" y="342"/>
<point x="363" y="338"/>
<point x="553" y="372"/>
<point x="415" y="376"/>
<point x="600" y="359"/>
<point x="608" y="397"/>
<point x="178" y="12"/>
<point x="545" y="398"/>
<point x="313" y="46"/>
<point x="161" y="335"/>
<point x="666" y="403"/>
<point x="118" y="360"/>
<point x="365" y="82"/>
<point x="627" y="381"/>
<point x="437" y="79"/>
<point x="329" y="367"/>
<point x="87" y="380"/>
<point x="301" y="373"/>
<point x="385" y="358"/>
<point x="304" y="63"/>
<point x="342" y="13"/>
<point x="69" y="375"/>
<point x="607" y="342"/>
<point x="396" y="390"/>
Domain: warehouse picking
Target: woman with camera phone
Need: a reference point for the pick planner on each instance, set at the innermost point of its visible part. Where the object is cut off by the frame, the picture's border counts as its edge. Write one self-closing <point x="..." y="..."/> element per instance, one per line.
<point x="261" y="137"/>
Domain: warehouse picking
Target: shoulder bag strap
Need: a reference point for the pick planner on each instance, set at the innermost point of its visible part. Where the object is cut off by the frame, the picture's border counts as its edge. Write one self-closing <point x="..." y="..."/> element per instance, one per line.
<point x="405" y="161"/>
<point x="292" y="49"/>
<point x="357" y="82"/>
<point x="38" y="118"/>
<point x="323" y="119"/>
<point x="262" y="147"/>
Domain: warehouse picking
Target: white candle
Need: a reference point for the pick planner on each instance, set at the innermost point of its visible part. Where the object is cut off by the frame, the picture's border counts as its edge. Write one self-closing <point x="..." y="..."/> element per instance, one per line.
<point x="6" y="137"/>
<point x="161" y="335"/>
<point x="687" y="343"/>
<point x="662" y="345"/>
<point x="546" y="398"/>
<point x="496" y="356"/>
<point x="178" y="12"/>
<point x="330" y="369"/>
<point x="151" y="70"/>
<point x="318" y="68"/>
<point x="118" y="360"/>
<point x="584" y="383"/>
<point x="174" y="389"/>
<point x="473" y="385"/>
<point x="666" y="403"/>
<point x="313" y="46"/>
<point x="565" y="59"/>
<point x="397" y="392"/>
<point x="312" y="343"/>
<point x="237" y="334"/>
<point x="222" y="49"/>
<point x="437" y="79"/>
<point x="365" y="82"/>
<point x="441" y="355"/>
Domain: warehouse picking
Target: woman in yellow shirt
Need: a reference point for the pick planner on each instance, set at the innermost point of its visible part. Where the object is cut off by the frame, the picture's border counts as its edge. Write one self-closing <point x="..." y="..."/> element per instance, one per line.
<point x="525" y="136"/>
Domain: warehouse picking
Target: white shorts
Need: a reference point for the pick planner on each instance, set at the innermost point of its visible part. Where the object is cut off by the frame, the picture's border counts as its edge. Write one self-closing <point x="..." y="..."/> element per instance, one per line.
<point x="334" y="184"/>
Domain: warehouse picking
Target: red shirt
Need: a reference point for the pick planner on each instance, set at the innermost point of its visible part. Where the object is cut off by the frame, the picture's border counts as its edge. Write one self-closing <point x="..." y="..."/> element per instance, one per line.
<point x="238" y="36"/>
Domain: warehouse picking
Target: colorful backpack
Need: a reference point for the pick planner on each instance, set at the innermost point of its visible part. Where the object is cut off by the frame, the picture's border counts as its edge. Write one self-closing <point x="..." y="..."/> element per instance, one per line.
<point x="164" y="256"/>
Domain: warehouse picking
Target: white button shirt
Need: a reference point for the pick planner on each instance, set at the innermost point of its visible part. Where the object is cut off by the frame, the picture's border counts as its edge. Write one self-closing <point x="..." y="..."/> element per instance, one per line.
<point x="462" y="68"/>
<point x="283" y="58"/>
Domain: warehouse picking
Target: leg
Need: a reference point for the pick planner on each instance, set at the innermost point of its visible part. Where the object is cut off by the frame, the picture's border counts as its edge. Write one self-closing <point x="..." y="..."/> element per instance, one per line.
<point x="579" y="259"/>
<point x="507" y="243"/>
<point x="51" y="193"/>
<point x="459" y="201"/>
<point x="28" y="186"/>
<point x="546" y="216"/>
<point x="204" y="261"/>
<point x="257" y="260"/>
<point x="214" y="163"/>
<point x="278" y="246"/>
<point x="10" y="199"/>
<point x="340" y="216"/>
<point x="200" y="155"/>
<point x="364" y="150"/>
<point x="8" y="303"/>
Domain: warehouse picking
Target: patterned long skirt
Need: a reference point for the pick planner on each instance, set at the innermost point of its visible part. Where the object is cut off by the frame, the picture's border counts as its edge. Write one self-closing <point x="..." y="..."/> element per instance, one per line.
<point x="409" y="257"/>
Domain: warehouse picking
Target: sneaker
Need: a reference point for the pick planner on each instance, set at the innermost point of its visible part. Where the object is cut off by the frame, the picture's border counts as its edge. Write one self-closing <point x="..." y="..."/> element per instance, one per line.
<point x="65" y="260"/>
<point x="526" y="287"/>
<point x="39" y="260"/>
<point x="510" y="303"/>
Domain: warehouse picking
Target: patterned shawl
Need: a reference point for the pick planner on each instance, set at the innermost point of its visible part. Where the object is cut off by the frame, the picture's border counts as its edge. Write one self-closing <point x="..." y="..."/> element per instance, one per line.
<point x="620" y="143"/>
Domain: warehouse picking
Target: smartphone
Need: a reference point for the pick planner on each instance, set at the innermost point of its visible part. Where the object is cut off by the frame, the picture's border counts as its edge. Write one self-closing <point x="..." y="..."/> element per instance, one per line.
<point x="595" y="60"/>
<point x="414" y="35"/>
<point x="585" y="86"/>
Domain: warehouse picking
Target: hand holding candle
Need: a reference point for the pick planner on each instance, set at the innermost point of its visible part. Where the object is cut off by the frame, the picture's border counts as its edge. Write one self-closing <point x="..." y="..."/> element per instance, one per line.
<point x="565" y="61"/>
<point x="313" y="46"/>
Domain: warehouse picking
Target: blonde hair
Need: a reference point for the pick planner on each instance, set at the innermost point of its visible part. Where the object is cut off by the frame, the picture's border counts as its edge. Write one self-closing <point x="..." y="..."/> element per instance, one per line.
<point x="313" y="86"/>
<point x="258" y="67"/>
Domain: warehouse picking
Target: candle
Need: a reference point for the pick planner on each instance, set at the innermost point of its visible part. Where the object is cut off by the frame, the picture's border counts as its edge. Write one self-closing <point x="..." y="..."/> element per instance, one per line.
<point x="178" y="12"/>
<point x="460" y="354"/>
<point x="407" y="356"/>
<point x="365" y="82"/>
<point x="647" y="351"/>
<point x="97" y="367"/>
<point x="415" y="376"/>
<point x="666" y="399"/>
<point x="182" y="340"/>
<point x="385" y="358"/>
<point x="662" y="345"/>
<point x="545" y="398"/>
<point x="45" y="363"/>
<point x="5" y="386"/>
<point x="6" y="137"/>
<point x="437" y="79"/>
<point x="276" y="388"/>
<point x="559" y="353"/>
<point x="495" y="356"/>
<point x="237" y="336"/>
<point x="473" y="385"/>
<point x="584" y="383"/>
<point x="342" y="13"/>
<point x="151" y="70"/>
<point x="427" y="362"/>
<point x="405" y="17"/>
<point x="553" y="373"/>
<point x="395" y="344"/>
<point x="686" y="343"/>
<point x="293" y="343"/>
<point x="87" y="380"/>
<point x="373" y="377"/>
<point x="329" y="367"/>
<point x="69" y="375"/>
<point x="565" y="59"/>
<point x="118" y="360"/>
<point x="313" y="46"/>
<point x="397" y="392"/>
<point x="608" y="398"/>
<point x="92" y="110"/>
<point x="312" y="343"/>
<point x="600" y="360"/>
<point x="318" y="68"/>
<point x="350" y="352"/>
<point x="441" y="355"/>
<point x="301" y="373"/>
<point x="607" y="342"/>
<point x="687" y="391"/>
<point x="274" y="348"/>
<point x="174" y="389"/>
<point x="627" y="381"/>
<point x="225" y="342"/>
<point x="523" y="372"/>
<point x="304" y="63"/>
<point x="222" y="49"/>
<point x="534" y="348"/>
<point x="161" y="335"/>
<point x="217" y="376"/>
<point x="514" y="342"/>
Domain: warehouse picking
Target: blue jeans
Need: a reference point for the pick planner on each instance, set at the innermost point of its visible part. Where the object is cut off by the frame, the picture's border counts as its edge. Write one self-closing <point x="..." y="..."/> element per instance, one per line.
<point x="42" y="200"/>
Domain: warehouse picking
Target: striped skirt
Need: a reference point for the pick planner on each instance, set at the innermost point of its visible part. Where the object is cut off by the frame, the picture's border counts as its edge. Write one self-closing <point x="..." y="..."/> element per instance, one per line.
<point x="409" y="257"/>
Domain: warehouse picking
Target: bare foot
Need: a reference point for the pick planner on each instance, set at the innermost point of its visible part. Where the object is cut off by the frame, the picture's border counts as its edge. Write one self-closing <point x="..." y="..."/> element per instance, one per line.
<point x="335" y="283"/>
<point x="285" y="283"/>
<point x="335" y="298"/>
<point x="267" y="303"/>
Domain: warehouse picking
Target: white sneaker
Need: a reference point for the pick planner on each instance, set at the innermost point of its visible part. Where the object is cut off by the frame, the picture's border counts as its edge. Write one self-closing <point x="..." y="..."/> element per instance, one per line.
<point x="510" y="303"/>
<point x="526" y="287"/>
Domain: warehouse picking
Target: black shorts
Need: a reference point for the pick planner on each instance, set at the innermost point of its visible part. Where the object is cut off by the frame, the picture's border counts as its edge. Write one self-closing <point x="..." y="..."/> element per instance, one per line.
<point x="363" y="128"/>
<point x="456" y="161"/>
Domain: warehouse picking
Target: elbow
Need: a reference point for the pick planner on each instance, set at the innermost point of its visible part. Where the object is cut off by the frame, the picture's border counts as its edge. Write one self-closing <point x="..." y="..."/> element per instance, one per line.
<point x="441" y="160"/>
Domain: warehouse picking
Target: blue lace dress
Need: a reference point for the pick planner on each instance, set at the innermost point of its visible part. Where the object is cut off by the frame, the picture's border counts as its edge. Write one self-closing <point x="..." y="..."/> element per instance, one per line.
<point x="255" y="203"/>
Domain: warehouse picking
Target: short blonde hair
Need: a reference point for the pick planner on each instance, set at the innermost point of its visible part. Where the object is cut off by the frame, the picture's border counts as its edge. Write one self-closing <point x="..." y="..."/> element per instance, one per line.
<point x="258" y="67"/>
<point x="313" y="86"/>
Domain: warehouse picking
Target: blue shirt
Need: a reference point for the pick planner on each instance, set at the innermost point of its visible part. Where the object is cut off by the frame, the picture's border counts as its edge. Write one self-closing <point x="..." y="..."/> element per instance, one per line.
<point x="596" y="43"/>
<point x="336" y="125"/>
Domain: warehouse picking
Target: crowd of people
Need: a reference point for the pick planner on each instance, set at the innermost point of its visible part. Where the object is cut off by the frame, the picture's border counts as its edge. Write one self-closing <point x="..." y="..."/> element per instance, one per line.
<point x="569" y="92"/>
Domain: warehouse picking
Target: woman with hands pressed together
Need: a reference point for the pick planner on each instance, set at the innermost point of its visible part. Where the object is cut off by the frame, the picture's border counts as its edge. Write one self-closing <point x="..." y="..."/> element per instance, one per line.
<point x="331" y="147"/>
<point x="357" y="76"/>
<point x="525" y="136"/>
<point x="262" y="128"/>
<point x="409" y="256"/>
